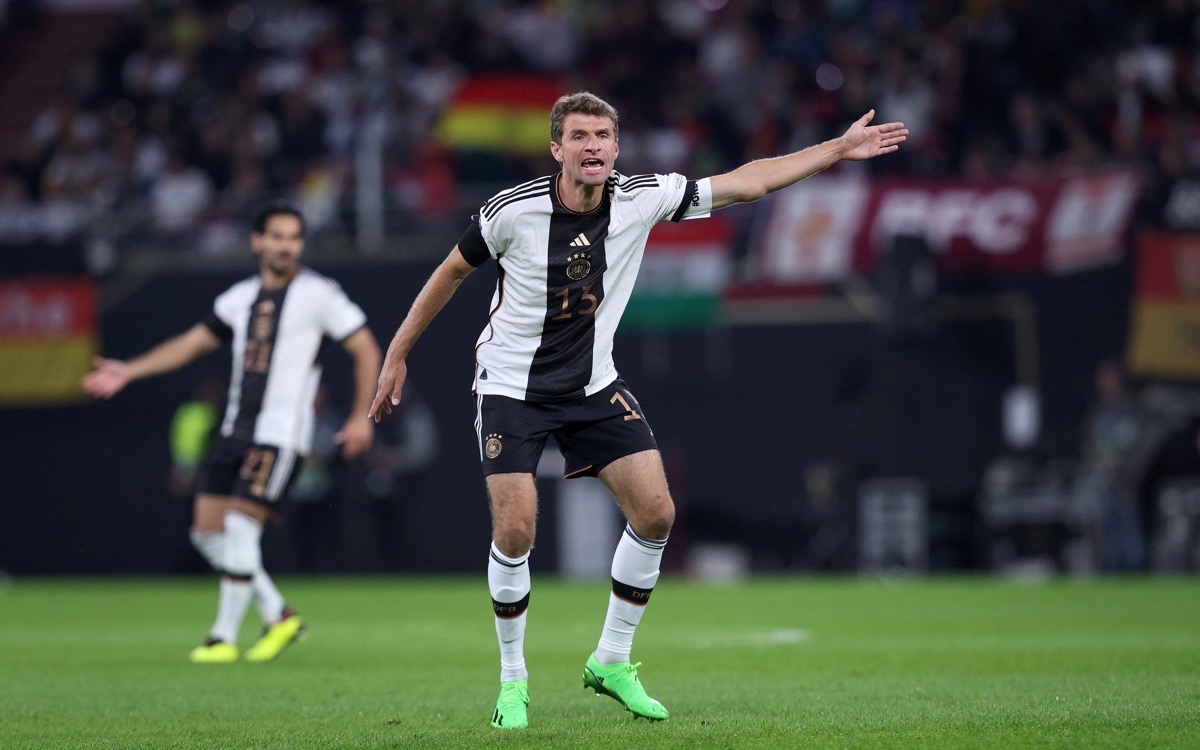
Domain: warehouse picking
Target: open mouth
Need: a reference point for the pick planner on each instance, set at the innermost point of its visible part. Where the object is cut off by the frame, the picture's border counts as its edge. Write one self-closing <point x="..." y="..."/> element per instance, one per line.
<point x="592" y="165"/>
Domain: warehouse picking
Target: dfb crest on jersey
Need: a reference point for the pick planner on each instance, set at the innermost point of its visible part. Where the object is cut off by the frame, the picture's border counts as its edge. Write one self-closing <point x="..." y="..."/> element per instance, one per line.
<point x="492" y="447"/>
<point x="579" y="266"/>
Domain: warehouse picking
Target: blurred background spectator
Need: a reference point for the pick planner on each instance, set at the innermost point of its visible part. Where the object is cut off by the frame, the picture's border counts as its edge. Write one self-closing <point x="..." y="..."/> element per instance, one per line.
<point x="175" y="114"/>
<point x="932" y="318"/>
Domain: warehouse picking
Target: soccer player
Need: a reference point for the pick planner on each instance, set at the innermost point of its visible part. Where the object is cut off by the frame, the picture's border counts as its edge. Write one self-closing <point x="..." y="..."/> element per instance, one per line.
<point x="275" y="322"/>
<point x="568" y="248"/>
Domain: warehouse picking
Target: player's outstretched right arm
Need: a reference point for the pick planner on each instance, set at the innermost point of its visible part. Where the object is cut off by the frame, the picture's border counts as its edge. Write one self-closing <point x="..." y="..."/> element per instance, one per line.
<point x="433" y="297"/>
<point x="111" y="375"/>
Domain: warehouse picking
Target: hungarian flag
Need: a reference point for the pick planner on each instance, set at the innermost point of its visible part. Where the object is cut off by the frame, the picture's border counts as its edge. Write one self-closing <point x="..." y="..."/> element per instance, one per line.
<point x="48" y="336"/>
<point x="685" y="270"/>
<point x="501" y="113"/>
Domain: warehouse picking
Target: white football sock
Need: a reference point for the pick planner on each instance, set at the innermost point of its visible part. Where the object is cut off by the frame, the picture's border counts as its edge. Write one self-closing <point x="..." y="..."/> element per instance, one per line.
<point x="267" y="599"/>
<point x="211" y="546"/>
<point x="508" y="581"/>
<point x="635" y="570"/>
<point x="243" y="557"/>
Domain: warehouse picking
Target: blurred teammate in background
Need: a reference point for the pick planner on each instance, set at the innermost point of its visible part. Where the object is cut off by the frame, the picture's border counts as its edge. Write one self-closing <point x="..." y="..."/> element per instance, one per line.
<point x="275" y="322"/>
<point x="569" y="246"/>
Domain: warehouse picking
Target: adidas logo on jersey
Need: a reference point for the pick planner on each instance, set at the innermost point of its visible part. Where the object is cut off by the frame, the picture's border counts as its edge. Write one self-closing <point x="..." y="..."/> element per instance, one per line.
<point x="580" y="241"/>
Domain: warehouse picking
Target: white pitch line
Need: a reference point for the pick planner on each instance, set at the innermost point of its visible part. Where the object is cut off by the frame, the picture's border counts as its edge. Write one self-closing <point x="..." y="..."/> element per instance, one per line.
<point x="762" y="638"/>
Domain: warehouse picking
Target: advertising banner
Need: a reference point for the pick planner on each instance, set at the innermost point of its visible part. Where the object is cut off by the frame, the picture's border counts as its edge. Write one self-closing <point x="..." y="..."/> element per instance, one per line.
<point x="829" y="226"/>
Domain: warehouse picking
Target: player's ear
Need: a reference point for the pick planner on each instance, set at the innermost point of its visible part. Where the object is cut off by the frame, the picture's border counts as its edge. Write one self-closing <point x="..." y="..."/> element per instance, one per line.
<point x="556" y="152"/>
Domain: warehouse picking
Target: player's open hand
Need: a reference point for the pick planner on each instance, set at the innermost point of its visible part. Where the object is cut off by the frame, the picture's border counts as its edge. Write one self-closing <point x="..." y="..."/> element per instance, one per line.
<point x="355" y="437"/>
<point x="387" y="395"/>
<point x="864" y="141"/>
<point x="109" y="377"/>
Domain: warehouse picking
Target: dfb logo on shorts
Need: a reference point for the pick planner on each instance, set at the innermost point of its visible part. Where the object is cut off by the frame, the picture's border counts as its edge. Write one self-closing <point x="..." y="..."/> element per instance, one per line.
<point x="492" y="447"/>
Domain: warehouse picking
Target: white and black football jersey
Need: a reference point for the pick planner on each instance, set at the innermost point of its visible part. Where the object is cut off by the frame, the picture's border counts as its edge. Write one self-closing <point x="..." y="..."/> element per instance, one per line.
<point x="275" y="335"/>
<point x="565" y="279"/>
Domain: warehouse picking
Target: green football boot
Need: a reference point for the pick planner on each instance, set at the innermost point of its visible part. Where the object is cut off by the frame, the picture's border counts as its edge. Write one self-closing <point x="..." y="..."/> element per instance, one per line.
<point x="620" y="681"/>
<point x="214" y="652"/>
<point x="511" y="706"/>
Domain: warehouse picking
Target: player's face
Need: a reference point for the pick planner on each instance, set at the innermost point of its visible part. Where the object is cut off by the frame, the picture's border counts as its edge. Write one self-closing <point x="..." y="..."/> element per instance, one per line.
<point x="280" y="244"/>
<point x="588" y="149"/>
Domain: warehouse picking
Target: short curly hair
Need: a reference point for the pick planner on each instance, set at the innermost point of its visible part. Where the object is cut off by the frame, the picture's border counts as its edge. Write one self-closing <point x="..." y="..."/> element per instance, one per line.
<point x="270" y="211"/>
<point x="580" y="103"/>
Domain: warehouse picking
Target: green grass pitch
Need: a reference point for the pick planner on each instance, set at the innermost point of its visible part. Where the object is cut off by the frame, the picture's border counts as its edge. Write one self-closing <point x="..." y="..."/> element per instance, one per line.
<point x="768" y="663"/>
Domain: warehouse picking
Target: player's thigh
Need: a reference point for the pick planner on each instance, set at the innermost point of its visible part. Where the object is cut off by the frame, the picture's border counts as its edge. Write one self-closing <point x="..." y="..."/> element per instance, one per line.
<point x="208" y="512"/>
<point x="513" y="501"/>
<point x="639" y="484"/>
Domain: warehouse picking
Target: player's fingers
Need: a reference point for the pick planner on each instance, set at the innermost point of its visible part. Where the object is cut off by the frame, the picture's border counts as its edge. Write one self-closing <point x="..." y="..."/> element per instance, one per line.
<point x="376" y="404"/>
<point x="870" y="115"/>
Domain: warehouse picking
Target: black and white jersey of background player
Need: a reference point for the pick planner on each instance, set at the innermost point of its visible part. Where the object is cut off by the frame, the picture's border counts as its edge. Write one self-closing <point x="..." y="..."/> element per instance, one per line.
<point x="275" y="335"/>
<point x="565" y="279"/>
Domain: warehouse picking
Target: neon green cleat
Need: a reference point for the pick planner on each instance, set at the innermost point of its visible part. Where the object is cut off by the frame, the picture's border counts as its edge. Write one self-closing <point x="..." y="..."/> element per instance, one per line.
<point x="511" y="706"/>
<point x="214" y="652"/>
<point x="277" y="637"/>
<point x="620" y="681"/>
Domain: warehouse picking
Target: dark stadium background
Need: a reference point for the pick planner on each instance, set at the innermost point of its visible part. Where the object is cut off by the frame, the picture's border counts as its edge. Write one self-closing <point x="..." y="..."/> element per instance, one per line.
<point x="771" y="425"/>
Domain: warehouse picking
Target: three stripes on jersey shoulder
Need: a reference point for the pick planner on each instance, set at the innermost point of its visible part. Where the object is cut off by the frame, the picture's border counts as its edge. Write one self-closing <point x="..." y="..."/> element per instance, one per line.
<point x="636" y="182"/>
<point x="541" y="187"/>
<point x="526" y="190"/>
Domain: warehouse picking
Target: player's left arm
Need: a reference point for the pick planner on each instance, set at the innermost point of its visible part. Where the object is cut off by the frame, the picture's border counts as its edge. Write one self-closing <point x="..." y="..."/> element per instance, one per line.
<point x="752" y="181"/>
<point x="357" y="433"/>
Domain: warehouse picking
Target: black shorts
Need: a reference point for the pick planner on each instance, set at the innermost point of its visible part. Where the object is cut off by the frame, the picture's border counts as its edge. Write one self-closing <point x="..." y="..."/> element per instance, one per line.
<point x="238" y="468"/>
<point x="591" y="433"/>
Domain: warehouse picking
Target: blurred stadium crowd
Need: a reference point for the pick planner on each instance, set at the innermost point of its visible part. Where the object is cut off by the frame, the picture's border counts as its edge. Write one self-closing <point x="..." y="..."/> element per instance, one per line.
<point x="193" y="112"/>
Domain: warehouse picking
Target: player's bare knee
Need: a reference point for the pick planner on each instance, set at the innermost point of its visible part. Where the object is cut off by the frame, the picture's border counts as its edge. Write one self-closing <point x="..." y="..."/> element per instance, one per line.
<point x="655" y="519"/>
<point x="514" y="539"/>
<point x="659" y="526"/>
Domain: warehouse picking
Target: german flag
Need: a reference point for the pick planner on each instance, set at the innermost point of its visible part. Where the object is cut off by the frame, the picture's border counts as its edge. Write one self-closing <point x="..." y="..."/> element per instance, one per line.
<point x="501" y="113"/>
<point x="48" y="336"/>
<point x="1164" y="338"/>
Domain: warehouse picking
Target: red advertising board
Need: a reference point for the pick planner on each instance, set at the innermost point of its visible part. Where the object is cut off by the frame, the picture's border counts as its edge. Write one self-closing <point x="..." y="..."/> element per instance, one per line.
<point x="825" y="227"/>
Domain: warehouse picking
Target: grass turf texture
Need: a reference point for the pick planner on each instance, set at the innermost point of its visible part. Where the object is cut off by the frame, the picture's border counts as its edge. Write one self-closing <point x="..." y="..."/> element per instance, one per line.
<point x="775" y="663"/>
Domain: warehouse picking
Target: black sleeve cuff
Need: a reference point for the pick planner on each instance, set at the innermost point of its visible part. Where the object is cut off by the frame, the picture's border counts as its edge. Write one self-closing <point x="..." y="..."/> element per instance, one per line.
<point x="218" y="327"/>
<point x="689" y="192"/>
<point x="473" y="247"/>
